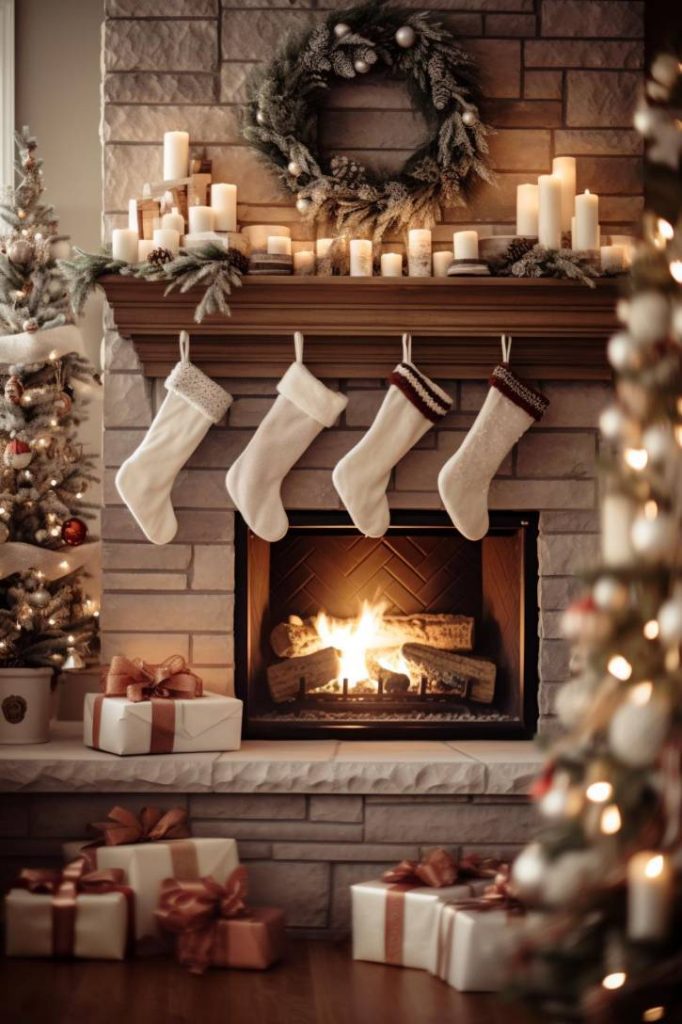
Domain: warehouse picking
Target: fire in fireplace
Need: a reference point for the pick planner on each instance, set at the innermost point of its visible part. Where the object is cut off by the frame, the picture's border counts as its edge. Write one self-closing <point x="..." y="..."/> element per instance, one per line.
<point x="419" y="633"/>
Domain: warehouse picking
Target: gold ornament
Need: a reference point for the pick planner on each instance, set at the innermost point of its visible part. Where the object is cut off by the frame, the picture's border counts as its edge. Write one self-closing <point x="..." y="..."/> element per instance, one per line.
<point x="405" y="36"/>
<point x="20" y="251"/>
<point x="39" y="598"/>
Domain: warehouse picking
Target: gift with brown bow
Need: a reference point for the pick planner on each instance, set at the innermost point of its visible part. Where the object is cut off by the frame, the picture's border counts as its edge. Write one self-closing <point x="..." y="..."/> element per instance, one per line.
<point x="394" y="917"/>
<point x="150" y="847"/>
<point x="73" y="912"/>
<point x="159" y="709"/>
<point x="215" y="927"/>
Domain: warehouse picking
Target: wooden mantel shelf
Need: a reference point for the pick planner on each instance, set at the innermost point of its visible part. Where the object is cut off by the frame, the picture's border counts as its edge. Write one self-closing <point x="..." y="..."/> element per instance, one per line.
<point x="353" y="325"/>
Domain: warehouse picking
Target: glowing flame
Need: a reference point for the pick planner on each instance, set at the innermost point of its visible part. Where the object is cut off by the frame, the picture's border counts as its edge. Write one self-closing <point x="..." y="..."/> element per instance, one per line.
<point x="353" y="639"/>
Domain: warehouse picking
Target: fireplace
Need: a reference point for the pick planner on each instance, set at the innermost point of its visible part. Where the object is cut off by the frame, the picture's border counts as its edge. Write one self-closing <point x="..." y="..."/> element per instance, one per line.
<point x="421" y="633"/>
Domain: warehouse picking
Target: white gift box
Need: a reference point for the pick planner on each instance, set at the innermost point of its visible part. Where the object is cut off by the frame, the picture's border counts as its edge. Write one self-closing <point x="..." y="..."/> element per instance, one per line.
<point x="100" y="931"/>
<point x="147" y="865"/>
<point x="397" y="924"/>
<point x="122" y="726"/>
<point x="473" y="946"/>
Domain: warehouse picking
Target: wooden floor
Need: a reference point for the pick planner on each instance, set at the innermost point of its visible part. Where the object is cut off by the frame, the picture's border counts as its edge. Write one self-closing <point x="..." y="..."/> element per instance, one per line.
<point x="318" y="984"/>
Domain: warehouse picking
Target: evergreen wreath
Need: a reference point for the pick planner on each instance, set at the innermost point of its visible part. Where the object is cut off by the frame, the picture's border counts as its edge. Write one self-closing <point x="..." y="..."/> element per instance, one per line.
<point x="280" y="119"/>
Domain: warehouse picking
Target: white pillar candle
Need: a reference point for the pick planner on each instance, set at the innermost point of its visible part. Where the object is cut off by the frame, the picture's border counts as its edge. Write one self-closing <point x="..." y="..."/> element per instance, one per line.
<point x="419" y="252"/>
<point x="573" y="232"/>
<point x="174" y="220"/>
<point x="124" y="245"/>
<point x="391" y="264"/>
<point x="279" y="245"/>
<point x="612" y="258"/>
<point x="563" y="167"/>
<point x="175" y="155"/>
<point x="168" y="238"/>
<point x="586" y="221"/>
<point x="527" y="210"/>
<point x="629" y="243"/>
<point x="617" y="516"/>
<point x="144" y="247"/>
<point x="257" y="235"/>
<point x="465" y="244"/>
<point x="132" y="215"/>
<point x="304" y="262"/>
<point x="549" y="211"/>
<point x="200" y="219"/>
<point x="224" y="206"/>
<point x="441" y="262"/>
<point x="360" y="257"/>
<point x="650" y="887"/>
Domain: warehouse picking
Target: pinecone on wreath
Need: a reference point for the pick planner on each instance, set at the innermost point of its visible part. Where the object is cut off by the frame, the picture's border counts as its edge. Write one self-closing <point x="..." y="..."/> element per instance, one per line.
<point x="157" y="257"/>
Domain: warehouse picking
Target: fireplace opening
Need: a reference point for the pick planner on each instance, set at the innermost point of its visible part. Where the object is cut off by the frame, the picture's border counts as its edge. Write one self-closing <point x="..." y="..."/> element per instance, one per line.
<point x="421" y="633"/>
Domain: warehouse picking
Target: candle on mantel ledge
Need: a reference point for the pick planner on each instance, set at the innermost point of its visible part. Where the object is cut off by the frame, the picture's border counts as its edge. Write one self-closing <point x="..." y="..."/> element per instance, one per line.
<point x="465" y="245"/>
<point x="563" y="168"/>
<point x="167" y="238"/>
<point x="650" y="884"/>
<point x="124" y="243"/>
<point x="549" y="211"/>
<point x="441" y="262"/>
<point x="586" y="222"/>
<point x="279" y="245"/>
<point x="144" y="247"/>
<point x="612" y="258"/>
<point x="224" y="206"/>
<point x="360" y="257"/>
<point x="527" y="211"/>
<point x="304" y="262"/>
<point x="174" y="220"/>
<point x="419" y="252"/>
<point x="175" y="155"/>
<point x="200" y="219"/>
<point x="391" y="264"/>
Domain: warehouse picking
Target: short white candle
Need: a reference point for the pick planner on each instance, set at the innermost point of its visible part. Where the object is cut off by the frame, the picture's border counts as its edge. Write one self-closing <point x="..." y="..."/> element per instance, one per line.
<point x="549" y="211"/>
<point x="279" y="245"/>
<point x="586" y="221"/>
<point x="612" y="258"/>
<point x="563" y="167"/>
<point x="391" y="264"/>
<point x="304" y="262"/>
<point x="175" y="155"/>
<point x="360" y="257"/>
<point x="144" y="247"/>
<point x="465" y="244"/>
<point x="419" y="252"/>
<point x="257" y="235"/>
<point x="124" y="245"/>
<point x="200" y="219"/>
<point x="204" y="238"/>
<point x="322" y="247"/>
<point x="629" y="243"/>
<point x="174" y="220"/>
<point x="527" y="210"/>
<point x="168" y="238"/>
<point x="133" y="223"/>
<point x="224" y="206"/>
<point x="650" y="885"/>
<point x="441" y="262"/>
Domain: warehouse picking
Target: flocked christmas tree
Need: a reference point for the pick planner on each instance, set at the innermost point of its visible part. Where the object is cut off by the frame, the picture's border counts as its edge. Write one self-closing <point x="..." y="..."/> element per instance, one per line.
<point x="45" y="617"/>
<point x="607" y="869"/>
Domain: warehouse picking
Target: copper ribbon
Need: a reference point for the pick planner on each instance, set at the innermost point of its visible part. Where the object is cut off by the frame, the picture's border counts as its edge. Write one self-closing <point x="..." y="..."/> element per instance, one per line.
<point x="64" y="886"/>
<point x="152" y="825"/>
<point x="192" y="910"/>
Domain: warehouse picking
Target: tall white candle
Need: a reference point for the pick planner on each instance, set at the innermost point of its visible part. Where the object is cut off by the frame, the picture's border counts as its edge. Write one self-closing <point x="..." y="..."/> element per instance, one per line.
<point x="144" y="247"/>
<point x="465" y="245"/>
<point x="586" y="221"/>
<point x="200" y="219"/>
<point x="304" y="262"/>
<point x="124" y="245"/>
<point x="391" y="264"/>
<point x="168" y="238"/>
<point x="612" y="258"/>
<point x="563" y="167"/>
<point x="224" y="206"/>
<point x="132" y="215"/>
<point x="527" y="210"/>
<point x="360" y="257"/>
<point x="174" y="220"/>
<point x="419" y="252"/>
<point x="441" y="262"/>
<point x="650" y="884"/>
<point x="279" y="245"/>
<point x="175" y="155"/>
<point x="549" y="211"/>
<point x="573" y="232"/>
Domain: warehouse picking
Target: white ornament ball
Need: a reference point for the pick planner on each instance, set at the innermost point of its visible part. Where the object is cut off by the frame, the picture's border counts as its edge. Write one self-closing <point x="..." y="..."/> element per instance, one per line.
<point x="574" y="701"/>
<point x="653" y="538"/>
<point x="294" y="168"/>
<point x="657" y="92"/>
<point x="616" y="426"/>
<point x="649" y="319"/>
<point x="303" y="205"/>
<point x="361" y="66"/>
<point x="623" y="310"/>
<point x="405" y="36"/>
<point x="529" y="870"/>
<point x="670" y="621"/>
<point x="643" y="120"/>
<point x="658" y="442"/>
<point x="469" y="117"/>
<point x="637" y="732"/>
<point x="623" y="352"/>
<point x="665" y="69"/>
<point x="39" y="598"/>
<point x="20" y="251"/>
<point x="342" y="30"/>
<point x="570" y="875"/>
<point x="610" y="594"/>
<point x="260" y="117"/>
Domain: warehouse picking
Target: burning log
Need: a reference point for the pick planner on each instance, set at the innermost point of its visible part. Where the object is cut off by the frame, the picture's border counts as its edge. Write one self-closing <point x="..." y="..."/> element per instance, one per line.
<point x="313" y="670"/>
<point x="390" y="679"/>
<point x="296" y="638"/>
<point x="473" y="678"/>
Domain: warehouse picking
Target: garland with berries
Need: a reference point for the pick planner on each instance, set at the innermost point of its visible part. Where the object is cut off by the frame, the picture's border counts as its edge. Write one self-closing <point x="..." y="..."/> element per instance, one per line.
<point x="286" y="97"/>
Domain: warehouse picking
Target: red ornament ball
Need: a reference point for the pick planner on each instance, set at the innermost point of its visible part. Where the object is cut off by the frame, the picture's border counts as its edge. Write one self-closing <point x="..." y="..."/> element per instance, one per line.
<point x="74" y="532"/>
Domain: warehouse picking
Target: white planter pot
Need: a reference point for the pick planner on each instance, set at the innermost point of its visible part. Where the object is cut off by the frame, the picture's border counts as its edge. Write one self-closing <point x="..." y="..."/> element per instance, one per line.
<point x="25" y="705"/>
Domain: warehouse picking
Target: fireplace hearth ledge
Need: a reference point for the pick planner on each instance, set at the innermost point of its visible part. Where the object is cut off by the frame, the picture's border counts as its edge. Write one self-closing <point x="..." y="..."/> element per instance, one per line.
<point x="407" y="767"/>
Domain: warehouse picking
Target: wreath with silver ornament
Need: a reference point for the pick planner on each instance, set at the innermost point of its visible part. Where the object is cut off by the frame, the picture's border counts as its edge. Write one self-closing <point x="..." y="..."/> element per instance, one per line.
<point x="285" y="98"/>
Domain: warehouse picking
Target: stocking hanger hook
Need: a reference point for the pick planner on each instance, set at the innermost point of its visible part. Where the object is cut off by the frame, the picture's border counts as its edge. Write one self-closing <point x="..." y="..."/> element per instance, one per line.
<point x="407" y="348"/>
<point x="298" y="346"/>
<point x="184" y="346"/>
<point x="506" y="341"/>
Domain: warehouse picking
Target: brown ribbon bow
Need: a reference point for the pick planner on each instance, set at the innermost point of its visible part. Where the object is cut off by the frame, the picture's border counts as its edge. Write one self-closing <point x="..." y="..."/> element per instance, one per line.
<point x="138" y="680"/>
<point x="64" y="886"/>
<point x="438" y="868"/>
<point x="499" y="895"/>
<point x="151" y="826"/>
<point x="192" y="910"/>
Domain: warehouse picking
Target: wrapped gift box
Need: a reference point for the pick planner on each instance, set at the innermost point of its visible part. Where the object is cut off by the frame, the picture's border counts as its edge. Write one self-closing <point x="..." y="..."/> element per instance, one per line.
<point x="473" y="946"/>
<point x="256" y="941"/>
<point x="100" y="927"/>
<point x="162" y="725"/>
<point x="396" y="923"/>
